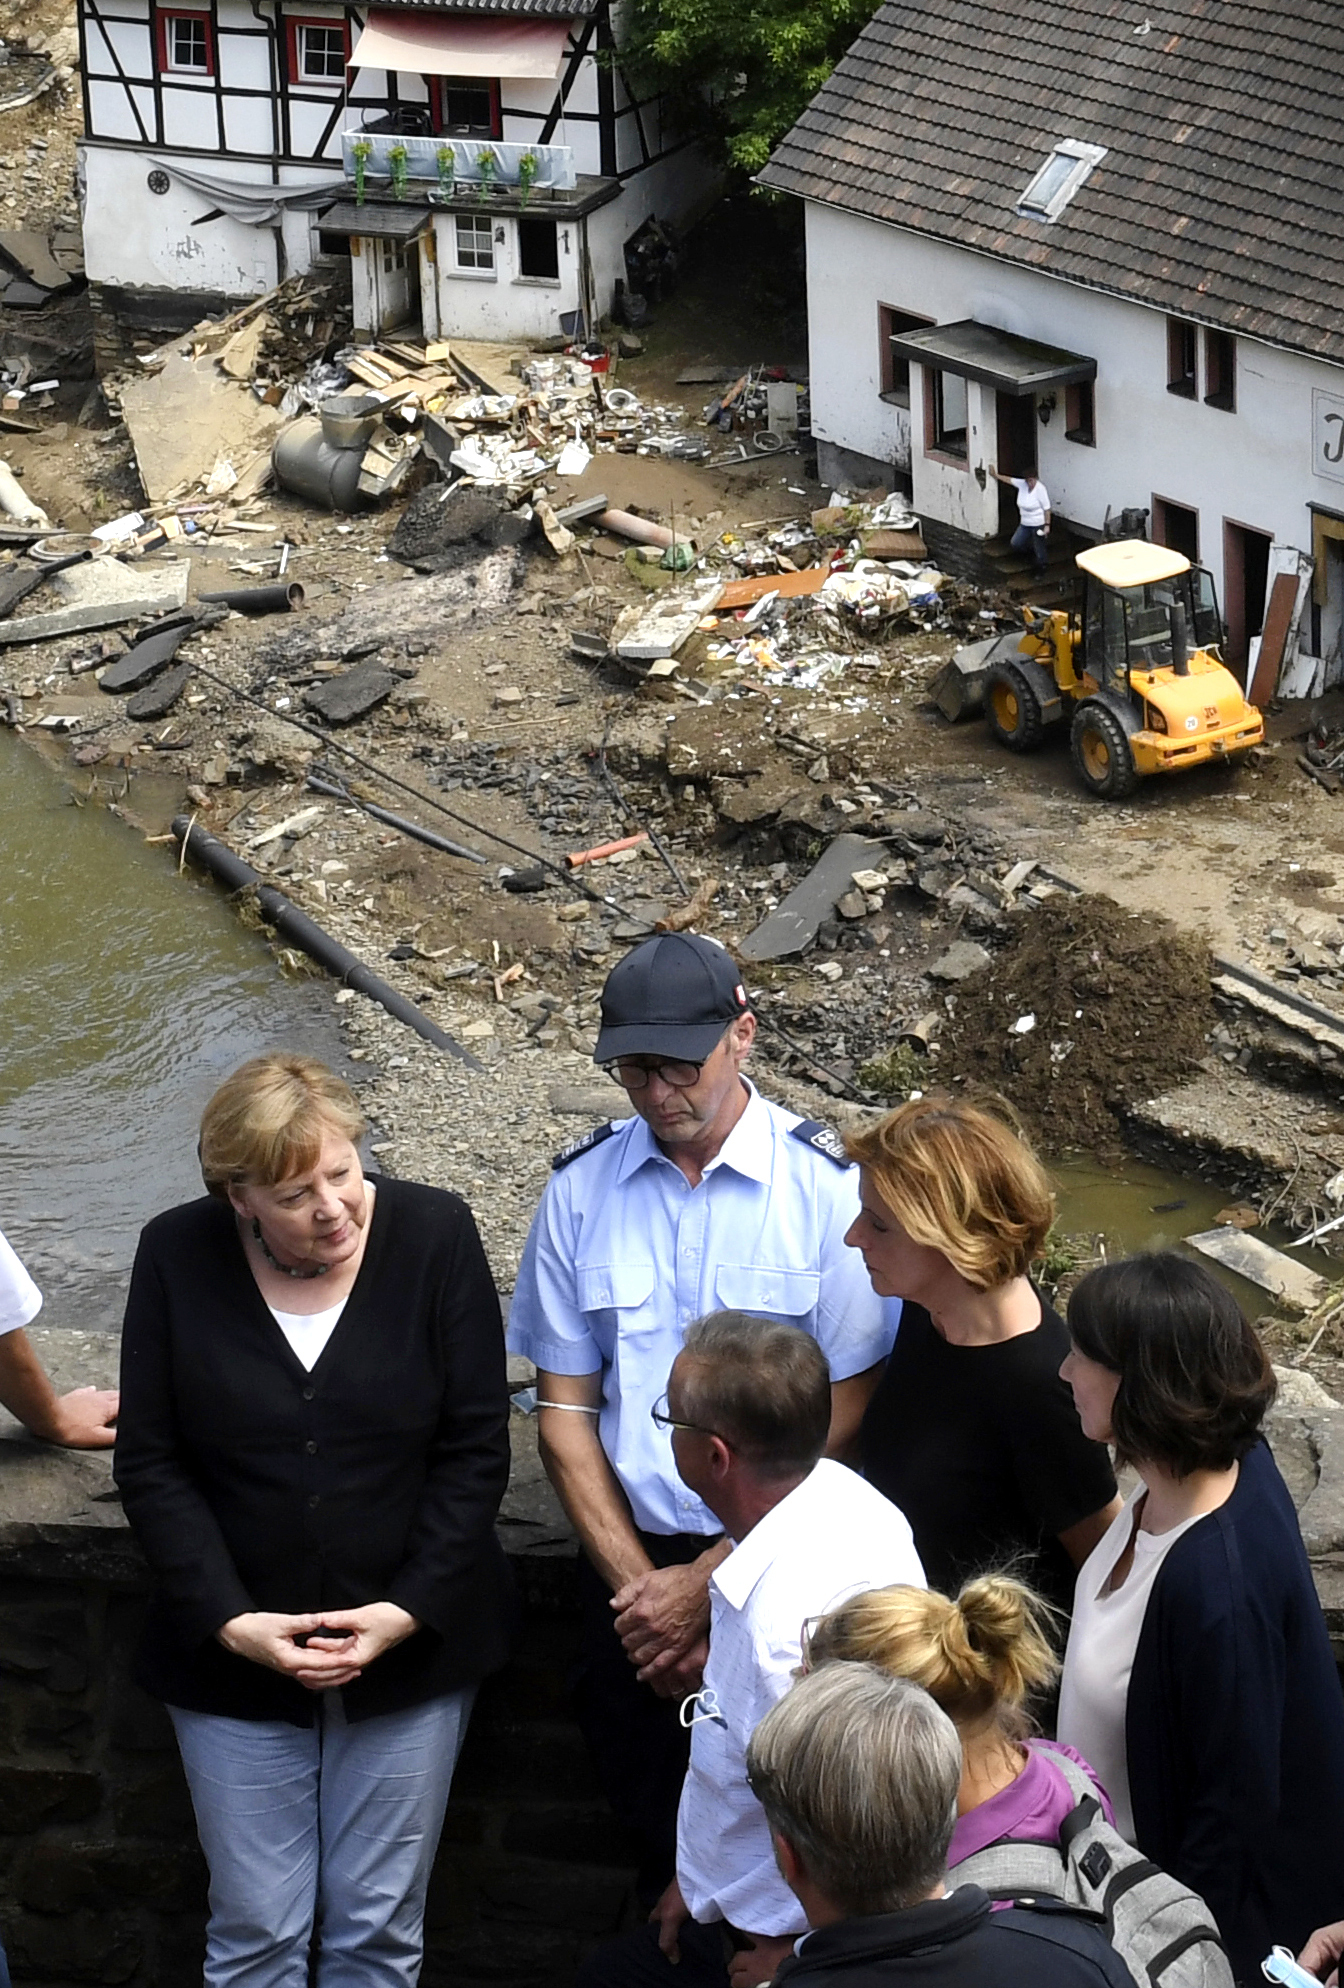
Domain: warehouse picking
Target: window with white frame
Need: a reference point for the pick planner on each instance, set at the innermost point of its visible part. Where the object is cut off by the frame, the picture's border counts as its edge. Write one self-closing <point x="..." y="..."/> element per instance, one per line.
<point x="184" y="45"/>
<point x="320" y="51"/>
<point x="475" y="242"/>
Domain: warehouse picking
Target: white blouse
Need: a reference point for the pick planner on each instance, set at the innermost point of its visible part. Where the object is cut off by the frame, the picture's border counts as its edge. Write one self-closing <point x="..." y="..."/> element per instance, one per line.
<point x="1102" y="1642"/>
<point x="308" y="1332"/>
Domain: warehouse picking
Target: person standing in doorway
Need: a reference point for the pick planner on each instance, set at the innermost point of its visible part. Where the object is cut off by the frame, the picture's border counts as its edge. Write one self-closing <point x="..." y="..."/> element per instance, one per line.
<point x="1033" y="512"/>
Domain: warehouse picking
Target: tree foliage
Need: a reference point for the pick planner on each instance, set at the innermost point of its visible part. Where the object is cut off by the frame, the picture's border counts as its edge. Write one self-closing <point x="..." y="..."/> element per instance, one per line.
<point x="739" y="74"/>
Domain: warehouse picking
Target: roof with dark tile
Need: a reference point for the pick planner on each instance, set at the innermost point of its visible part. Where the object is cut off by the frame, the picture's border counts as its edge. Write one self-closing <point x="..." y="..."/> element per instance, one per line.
<point x="1222" y="193"/>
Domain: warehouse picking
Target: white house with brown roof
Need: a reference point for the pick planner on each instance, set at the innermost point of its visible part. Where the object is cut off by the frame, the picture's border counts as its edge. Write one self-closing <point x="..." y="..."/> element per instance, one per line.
<point x="482" y="162"/>
<point x="1103" y="240"/>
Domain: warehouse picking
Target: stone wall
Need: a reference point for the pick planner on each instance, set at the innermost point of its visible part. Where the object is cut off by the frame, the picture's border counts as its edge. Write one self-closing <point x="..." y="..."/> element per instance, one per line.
<point x="100" y="1877"/>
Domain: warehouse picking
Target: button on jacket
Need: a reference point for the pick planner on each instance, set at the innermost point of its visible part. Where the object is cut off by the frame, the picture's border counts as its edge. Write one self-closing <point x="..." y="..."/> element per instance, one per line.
<point x="832" y="1537"/>
<point x="624" y="1254"/>
<point x="251" y="1483"/>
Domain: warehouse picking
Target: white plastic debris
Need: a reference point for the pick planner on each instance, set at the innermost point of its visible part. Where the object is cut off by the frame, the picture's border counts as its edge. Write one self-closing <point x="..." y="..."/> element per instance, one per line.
<point x="1023" y="1025"/>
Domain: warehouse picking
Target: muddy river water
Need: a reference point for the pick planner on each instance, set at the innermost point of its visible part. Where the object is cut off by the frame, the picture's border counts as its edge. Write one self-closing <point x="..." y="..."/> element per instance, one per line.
<point x="126" y="994"/>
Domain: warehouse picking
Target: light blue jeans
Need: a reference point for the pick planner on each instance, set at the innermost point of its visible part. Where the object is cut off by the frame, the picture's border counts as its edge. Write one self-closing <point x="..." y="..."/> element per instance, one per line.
<point x="333" y="1826"/>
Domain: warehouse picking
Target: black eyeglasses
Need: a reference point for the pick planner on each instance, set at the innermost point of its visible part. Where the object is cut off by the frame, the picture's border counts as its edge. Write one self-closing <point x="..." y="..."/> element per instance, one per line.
<point x="663" y="1420"/>
<point x="635" y="1076"/>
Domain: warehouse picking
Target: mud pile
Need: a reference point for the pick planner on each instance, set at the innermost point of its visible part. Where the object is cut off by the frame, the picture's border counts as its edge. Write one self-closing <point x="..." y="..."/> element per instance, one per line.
<point x="1086" y="1010"/>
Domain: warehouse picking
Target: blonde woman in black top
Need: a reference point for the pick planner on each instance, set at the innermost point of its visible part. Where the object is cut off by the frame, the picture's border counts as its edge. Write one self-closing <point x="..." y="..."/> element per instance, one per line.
<point x="971" y="1431"/>
<point x="312" y="1448"/>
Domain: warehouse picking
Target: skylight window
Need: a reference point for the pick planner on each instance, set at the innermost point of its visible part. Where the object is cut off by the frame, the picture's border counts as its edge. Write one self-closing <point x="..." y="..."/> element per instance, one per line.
<point x="1059" y="179"/>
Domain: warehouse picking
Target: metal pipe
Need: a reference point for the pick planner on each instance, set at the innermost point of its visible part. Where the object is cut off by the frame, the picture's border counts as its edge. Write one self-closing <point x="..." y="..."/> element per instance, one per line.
<point x="296" y="926"/>
<point x="411" y="828"/>
<point x="259" y="600"/>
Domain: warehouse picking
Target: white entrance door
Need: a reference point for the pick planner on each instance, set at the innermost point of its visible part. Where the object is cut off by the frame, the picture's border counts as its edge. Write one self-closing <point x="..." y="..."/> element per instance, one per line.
<point x="396" y="282"/>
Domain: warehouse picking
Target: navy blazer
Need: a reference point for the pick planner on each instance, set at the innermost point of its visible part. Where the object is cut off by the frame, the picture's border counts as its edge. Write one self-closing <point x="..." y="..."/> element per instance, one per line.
<point x="251" y="1483"/>
<point x="1234" y="1724"/>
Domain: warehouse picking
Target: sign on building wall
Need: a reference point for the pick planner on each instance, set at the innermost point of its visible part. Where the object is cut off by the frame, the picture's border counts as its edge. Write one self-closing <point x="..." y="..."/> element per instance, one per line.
<point x="1327" y="434"/>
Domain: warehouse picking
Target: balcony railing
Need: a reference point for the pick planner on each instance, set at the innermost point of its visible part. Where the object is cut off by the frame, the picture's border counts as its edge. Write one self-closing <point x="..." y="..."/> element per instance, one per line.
<point x="441" y="163"/>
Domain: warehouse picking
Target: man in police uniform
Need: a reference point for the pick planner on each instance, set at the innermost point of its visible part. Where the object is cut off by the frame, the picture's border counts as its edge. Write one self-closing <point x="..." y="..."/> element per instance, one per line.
<point x="708" y="1199"/>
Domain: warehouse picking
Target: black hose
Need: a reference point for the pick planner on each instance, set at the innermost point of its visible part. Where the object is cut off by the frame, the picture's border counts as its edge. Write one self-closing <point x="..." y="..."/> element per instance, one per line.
<point x="412" y="828"/>
<point x="295" y="925"/>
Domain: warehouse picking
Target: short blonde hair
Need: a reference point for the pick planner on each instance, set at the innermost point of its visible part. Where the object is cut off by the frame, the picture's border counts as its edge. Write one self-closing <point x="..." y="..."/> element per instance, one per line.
<point x="961" y="1179"/>
<point x="268" y="1120"/>
<point x="980" y="1657"/>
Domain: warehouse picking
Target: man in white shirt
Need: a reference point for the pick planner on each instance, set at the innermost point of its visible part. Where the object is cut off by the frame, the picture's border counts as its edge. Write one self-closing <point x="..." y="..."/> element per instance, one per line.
<point x="748" y="1405"/>
<point x="1033" y="513"/>
<point x="84" y="1419"/>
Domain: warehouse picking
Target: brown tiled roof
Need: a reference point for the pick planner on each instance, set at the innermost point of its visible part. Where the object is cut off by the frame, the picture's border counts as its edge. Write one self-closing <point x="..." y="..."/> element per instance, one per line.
<point x="1222" y="193"/>
<point x="555" y="10"/>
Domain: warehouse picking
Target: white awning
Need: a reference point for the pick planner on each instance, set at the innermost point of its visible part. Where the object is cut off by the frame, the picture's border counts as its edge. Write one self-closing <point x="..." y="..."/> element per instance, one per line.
<point x="492" y="47"/>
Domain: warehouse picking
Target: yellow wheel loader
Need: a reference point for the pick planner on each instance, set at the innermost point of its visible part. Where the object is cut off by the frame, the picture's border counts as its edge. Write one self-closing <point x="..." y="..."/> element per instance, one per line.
<point x="1135" y="673"/>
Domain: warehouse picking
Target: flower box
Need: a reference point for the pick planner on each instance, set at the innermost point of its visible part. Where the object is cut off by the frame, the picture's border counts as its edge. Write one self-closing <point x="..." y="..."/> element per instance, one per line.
<point x="555" y="163"/>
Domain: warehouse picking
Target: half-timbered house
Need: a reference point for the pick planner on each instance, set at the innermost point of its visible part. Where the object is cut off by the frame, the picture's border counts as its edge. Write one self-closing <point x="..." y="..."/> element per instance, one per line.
<point x="482" y="162"/>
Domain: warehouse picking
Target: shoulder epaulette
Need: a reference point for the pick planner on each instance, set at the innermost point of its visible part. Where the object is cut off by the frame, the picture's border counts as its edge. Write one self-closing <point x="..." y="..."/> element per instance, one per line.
<point x="586" y="1144"/>
<point x="822" y="1139"/>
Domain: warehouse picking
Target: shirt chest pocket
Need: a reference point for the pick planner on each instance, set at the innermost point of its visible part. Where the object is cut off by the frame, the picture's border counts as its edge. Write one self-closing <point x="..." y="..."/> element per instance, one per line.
<point x="754" y="1287"/>
<point x="615" y="1295"/>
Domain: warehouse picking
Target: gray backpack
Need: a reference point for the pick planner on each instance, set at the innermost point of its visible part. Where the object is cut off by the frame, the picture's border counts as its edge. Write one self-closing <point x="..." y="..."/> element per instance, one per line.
<point x="1163" y="1931"/>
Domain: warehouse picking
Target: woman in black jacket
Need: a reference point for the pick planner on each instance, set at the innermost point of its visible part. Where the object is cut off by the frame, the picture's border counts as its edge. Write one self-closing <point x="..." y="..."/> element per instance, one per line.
<point x="1199" y="1680"/>
<point x="311" y="1452"/>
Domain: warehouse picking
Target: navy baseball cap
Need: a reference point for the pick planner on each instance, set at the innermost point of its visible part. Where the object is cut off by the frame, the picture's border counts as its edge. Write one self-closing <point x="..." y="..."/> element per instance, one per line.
<point x="673" y="996"/>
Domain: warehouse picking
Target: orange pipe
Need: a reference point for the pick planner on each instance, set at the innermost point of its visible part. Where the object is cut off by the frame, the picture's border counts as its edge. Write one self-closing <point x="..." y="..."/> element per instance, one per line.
<point x="605" y="849"/>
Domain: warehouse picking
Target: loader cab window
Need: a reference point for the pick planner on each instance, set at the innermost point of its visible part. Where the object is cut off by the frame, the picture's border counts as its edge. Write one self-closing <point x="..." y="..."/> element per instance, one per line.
<point x="1103" y="633"/>
<point x="1206" y="623"/>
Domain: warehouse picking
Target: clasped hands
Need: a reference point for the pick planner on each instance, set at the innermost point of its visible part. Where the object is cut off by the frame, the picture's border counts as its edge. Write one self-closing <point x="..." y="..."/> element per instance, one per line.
<point x="320" y="1652"/>
<point x="662" y="1618"/>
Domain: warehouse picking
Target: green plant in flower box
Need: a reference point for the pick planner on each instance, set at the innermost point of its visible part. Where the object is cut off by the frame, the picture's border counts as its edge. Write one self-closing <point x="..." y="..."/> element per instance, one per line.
<point x="487" y="165"/>
<point x="529" y="166"/>
<point x="398" y="164"/>
<point x="361" y="151"/>
<point x="445" y="160"/>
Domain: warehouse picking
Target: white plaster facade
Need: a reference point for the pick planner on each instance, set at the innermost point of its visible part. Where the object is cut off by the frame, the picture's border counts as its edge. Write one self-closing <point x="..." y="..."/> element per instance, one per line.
<point x="246" y="122"/>
<point x="1264" y="467"/>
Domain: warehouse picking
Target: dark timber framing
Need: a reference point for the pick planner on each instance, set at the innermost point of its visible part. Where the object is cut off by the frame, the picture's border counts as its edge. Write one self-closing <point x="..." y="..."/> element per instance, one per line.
<point x="590" y="39"/>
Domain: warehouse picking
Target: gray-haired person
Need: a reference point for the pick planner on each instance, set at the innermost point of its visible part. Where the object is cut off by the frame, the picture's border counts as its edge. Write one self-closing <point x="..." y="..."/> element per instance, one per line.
<point x="857" y="1773"/>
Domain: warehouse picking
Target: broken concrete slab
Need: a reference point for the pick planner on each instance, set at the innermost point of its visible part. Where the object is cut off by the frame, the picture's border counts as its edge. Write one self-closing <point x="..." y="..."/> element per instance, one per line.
<point x="793" y="924"/>
<point x="187" y="416"/>
<point x="159" y="698"/>
<point x="420" y="611"/>
<point x="342" y="699"/>
<point x="959" y="962"/>
<point x="100" y="595"/>
<point x="29" y="255"/>
<point x="648" y="634"/>
<point x="1295" y="1287"/>
<point x="142" y="663"/>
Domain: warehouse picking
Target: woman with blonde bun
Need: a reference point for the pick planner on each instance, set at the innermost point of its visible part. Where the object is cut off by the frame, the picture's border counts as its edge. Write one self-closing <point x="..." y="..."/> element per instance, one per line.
<point x="971" y="1432"/>
<point x="981" y="1658"/>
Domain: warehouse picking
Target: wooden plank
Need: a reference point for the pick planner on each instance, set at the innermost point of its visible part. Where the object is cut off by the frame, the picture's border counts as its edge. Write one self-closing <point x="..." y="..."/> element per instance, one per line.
<point x="1274" y="639"/>
<point x="741" y="593"/>
<point x="1300" y="1289"/>
<point x="484" y="365"/>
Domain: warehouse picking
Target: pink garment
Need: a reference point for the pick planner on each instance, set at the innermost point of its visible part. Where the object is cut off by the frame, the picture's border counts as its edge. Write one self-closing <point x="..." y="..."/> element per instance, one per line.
<point x="1030" y="1809"/>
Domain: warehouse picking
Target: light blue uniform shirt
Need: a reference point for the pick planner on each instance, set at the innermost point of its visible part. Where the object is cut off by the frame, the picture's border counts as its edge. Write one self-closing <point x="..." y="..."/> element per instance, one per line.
<point x="624" y="1254"/>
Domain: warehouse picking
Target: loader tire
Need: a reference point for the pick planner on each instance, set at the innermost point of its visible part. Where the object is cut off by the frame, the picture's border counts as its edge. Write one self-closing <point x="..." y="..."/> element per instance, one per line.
<point x="1101" y="754"/>
<point x="1012" y="709"/>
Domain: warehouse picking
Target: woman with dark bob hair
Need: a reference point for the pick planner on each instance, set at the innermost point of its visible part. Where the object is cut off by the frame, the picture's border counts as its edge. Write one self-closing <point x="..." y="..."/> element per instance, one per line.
<point x="1198" y="1679"/>
<point x="312" y="1448"/>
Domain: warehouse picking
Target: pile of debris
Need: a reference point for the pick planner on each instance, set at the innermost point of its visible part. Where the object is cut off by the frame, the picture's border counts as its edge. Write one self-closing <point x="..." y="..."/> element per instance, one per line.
<point x="1085" y="1011"/>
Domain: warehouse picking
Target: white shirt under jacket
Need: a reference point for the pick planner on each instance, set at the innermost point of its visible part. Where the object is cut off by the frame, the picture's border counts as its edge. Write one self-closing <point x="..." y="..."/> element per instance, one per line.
<point x="832" y="1537"/>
